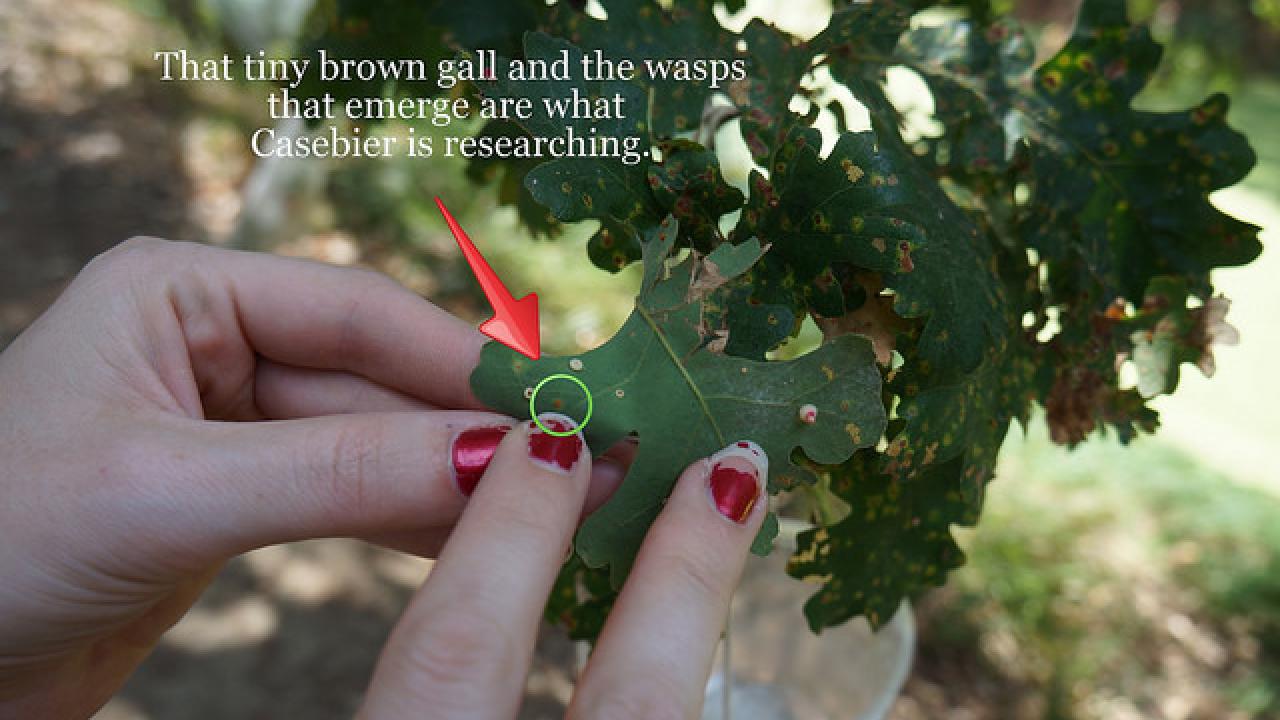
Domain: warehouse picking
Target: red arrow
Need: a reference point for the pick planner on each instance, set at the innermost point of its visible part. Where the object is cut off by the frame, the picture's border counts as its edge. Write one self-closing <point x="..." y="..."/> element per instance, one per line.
<point x="514" y="322"/>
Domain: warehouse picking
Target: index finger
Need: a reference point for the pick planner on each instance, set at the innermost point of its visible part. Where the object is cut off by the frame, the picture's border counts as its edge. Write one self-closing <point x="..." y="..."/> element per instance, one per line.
<point x="307" y="314"/>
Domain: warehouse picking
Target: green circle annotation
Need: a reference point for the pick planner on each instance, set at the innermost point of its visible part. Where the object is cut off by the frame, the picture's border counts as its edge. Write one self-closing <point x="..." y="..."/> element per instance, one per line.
<point x="533" y="411"/>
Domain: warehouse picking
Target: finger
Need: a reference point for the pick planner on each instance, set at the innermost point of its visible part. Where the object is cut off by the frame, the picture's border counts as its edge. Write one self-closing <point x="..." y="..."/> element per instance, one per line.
<point x="606" y="475"/>
<point x="465" y="642"/>
<point x="381" y="476"/>
<point x="654" y="655"/>
<point x="285" y="393"/>
<point x="307" y="314"/>
<point x="282" y="392"/>
<point x="424" y="543"/>
<point x="262" y="483"/>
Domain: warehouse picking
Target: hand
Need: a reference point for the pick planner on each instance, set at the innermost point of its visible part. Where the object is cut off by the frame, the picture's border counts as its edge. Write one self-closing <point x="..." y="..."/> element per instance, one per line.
<point x="125" y="484"/>
<point x="463" y="647"/>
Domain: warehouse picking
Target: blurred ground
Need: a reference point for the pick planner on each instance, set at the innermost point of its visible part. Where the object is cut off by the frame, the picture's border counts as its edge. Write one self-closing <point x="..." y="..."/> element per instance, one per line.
<point x="1103" y="583"/>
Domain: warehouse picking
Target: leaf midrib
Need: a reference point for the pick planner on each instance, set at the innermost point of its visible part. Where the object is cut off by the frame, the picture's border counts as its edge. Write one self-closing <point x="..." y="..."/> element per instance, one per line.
<point x="684" y="372"/>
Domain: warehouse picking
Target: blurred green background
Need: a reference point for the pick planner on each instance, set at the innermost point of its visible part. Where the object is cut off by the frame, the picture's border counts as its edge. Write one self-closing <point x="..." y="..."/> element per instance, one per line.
<point x="1108" y="582"/>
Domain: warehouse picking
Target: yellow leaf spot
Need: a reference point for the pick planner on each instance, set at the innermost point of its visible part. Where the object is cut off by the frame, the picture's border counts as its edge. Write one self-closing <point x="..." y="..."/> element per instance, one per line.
<point x="854" y="432"/>
<point x="852" y="171"/>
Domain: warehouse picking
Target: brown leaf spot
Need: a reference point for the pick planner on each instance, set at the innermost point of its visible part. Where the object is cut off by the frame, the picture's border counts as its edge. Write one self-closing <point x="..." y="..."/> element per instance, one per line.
<point x="854" y="432"/>
<point x="852" y="171"/>
<point x="1072" y="405"/>
<point x="875" y="319"/>
<point x="706" y="277"/>
<point x="905" y="263"/>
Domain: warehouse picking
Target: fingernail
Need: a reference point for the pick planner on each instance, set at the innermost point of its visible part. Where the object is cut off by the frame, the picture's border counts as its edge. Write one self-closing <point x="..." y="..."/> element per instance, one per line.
<point x="737" y="477"/>
<point x="557" y="452"/>
<point x="471" y="453"/>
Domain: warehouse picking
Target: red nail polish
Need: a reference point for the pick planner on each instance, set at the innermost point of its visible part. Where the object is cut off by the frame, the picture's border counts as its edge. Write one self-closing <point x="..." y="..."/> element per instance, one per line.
<point x="734" y="492"/>
<point x="558" y="451"/>
<point x="472" y="451"/>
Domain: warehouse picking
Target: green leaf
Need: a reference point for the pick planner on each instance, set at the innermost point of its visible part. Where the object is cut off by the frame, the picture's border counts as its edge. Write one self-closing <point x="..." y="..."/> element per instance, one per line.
<point x="661" y="380"/>
<point x="656" y="108"/>
<point x="974" y="73"/>
<point x="945" y="416"/>
<point x="639" y="31"/>
<point x="580" y="600"/>
<point x="779" y="64"/>
<point x="1124" y="189"/>
<point x="999" y="257"/>
<point x="871" y="205"/>
<point x="895" y="542"/>
<point x="624" y="197"/>
<point x="754" y="328"/>
<point x="1161" y="336"/>
<point x="1166" y="332"/>
<point x="688" y="185"/>
<point x="815" y="212"/>
<point x="580" y="188"/>
<point x="1119" y="199"/>
<point x="613" y="246"/>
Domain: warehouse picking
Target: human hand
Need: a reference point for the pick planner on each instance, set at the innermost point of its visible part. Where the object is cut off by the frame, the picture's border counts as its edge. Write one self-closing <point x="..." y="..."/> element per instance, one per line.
<point x="463" y="647"/>
<point x="181" y="404"/>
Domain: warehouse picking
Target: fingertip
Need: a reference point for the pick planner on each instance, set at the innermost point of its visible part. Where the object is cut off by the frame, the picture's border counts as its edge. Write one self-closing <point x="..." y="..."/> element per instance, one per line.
<point x="556" y="443"/>
<point x="749" y="453"/>
<point x="736" y="481"/>
<point x="607" y="474"/>
<point x="469" y="345"/>
<point x="692" y="558"/>
<point x="471" y="452"/>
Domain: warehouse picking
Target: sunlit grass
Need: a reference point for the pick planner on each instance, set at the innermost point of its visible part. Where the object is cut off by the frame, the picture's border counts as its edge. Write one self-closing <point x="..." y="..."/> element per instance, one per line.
<point x="1114" y="571"/>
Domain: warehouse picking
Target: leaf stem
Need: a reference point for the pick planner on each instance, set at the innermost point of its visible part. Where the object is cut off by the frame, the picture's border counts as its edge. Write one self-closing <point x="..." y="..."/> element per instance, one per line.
<point x="702" y="402"/>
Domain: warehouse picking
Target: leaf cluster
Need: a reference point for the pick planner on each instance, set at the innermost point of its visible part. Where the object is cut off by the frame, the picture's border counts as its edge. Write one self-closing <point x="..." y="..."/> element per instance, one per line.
<point x="1045" y="235"/>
